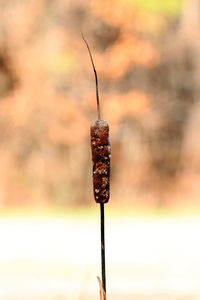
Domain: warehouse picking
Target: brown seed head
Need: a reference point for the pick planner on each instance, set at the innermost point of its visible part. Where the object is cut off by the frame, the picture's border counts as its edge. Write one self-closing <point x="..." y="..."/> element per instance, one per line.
<point x="101" y="160"/>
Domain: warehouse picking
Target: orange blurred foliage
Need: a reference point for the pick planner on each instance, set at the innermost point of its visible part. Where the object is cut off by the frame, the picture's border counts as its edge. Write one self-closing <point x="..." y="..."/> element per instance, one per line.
<point x="48" y="99"/>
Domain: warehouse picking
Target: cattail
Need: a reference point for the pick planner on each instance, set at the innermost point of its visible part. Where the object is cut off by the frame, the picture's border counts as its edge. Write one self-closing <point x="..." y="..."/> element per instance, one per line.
<point x="101" y="160"/>
<point x="100" y="146"/>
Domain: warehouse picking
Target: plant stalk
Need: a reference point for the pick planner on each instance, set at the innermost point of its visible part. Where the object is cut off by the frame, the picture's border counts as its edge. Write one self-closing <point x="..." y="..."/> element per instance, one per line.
<point x="103" y="265"/>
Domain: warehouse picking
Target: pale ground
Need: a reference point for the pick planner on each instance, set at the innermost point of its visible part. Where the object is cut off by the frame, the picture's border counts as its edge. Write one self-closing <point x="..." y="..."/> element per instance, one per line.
<point x="58" y="258"/>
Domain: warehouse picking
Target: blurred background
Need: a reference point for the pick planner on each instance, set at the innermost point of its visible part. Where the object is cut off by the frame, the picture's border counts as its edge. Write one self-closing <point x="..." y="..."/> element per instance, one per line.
<point x="146" y="54"/>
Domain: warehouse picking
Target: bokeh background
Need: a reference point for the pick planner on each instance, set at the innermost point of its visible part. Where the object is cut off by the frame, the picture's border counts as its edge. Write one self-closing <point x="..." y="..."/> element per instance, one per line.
<point x="147" y="57"/>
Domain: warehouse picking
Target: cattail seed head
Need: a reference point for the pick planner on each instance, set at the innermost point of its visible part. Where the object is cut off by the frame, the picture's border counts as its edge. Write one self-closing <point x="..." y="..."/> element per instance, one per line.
<point x="101" y="160"/>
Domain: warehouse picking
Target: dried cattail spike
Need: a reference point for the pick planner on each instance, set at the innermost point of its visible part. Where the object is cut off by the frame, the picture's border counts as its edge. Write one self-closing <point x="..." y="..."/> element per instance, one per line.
<point x="101" y="167"/>
<point x="101" y="160"/>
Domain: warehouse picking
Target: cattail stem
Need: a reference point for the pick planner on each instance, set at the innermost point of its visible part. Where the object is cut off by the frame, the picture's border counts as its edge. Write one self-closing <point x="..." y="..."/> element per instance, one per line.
<point x="103" y="265"/>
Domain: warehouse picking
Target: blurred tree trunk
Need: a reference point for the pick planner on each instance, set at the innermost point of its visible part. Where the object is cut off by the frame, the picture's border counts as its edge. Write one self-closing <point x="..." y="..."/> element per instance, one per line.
<point x="190" y="21"/>
<point x="177" y="80"/>
<point x="189" y="34"/>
